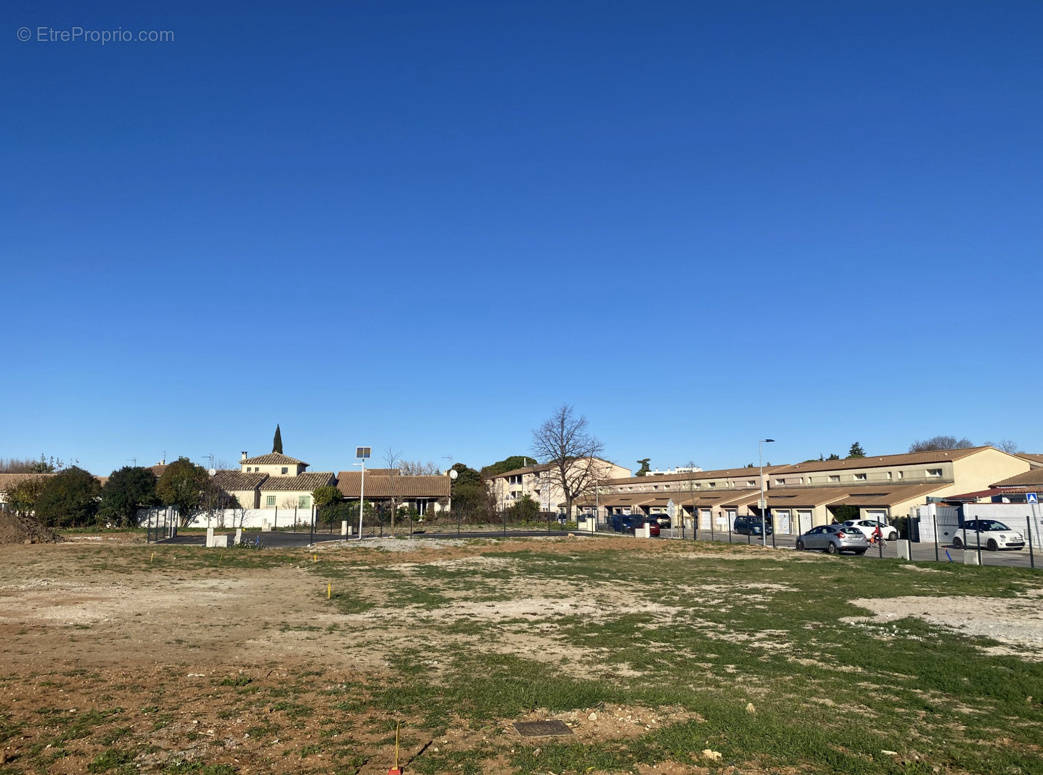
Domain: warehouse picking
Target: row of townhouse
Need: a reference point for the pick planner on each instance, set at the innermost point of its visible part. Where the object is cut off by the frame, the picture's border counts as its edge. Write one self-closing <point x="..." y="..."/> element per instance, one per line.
<point x="797" y="496"/>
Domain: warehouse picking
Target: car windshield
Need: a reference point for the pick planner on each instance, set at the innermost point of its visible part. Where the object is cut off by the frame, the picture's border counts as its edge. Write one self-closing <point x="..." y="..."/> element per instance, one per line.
<point x="991" y="524"/>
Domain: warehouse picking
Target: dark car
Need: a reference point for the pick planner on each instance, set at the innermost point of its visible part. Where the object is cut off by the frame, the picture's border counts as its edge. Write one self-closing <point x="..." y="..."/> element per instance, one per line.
<point x="626" y="523"/>
<point x="751" y="526"/>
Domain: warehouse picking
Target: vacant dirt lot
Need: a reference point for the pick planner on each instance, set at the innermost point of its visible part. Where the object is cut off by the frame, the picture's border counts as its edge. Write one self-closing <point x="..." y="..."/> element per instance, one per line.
<point x="124" y="658"/>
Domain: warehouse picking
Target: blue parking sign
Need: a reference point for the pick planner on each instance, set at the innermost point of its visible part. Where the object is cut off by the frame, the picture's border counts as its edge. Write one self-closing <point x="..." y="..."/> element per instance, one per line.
<point x="1030" y="497"/>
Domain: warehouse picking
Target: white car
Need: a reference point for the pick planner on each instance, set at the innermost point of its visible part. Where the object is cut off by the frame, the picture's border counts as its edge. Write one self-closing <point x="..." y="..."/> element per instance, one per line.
<point x="867" y="526"/>
<point x="994" y="535"/>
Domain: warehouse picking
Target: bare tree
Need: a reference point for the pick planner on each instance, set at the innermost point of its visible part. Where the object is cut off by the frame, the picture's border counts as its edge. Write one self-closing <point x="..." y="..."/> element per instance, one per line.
<point x="391" y="459"/>
<point x="1008" y="446"/>
<point x="565" y="442"/>
<point x="940" y="442"/>
<point x="416" y="468"/>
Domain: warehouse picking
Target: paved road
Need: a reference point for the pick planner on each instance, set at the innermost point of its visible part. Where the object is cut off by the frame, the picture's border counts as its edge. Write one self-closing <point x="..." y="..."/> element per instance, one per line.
<point x="921" y="552"/>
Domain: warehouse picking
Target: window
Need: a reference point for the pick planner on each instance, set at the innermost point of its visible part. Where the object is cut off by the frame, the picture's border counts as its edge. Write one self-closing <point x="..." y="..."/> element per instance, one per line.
<point x="901" y="475"/>
<point x="890" y="475"/>
<point x="834" y="477"/>
<point x="304" y="501"/>
<point x="934" y="473"/>
<point x="285" y="469"/>
<point x="751" y="482"/>
<point x="780" y="481"/>
<point x="860" y="477"/>
<point x="269" y="501"/>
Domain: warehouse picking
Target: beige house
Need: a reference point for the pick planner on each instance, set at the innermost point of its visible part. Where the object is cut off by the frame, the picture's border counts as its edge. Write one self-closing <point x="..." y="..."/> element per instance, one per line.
<point x="540" y="482"/>
<point x="880" y="487"/>
<point x="273" y="481"/>
<point x="815" y="492"/>
<point x="714" y="497"/>
<point x="389" y="487"/>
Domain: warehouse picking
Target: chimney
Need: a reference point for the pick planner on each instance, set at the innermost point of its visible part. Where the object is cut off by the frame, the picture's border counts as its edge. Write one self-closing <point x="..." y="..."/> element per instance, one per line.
<point x="242" y="456"/>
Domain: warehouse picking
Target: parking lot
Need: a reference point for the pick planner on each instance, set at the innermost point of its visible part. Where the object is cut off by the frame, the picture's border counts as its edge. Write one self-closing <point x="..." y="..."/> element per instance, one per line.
<point x="921" y="552"/>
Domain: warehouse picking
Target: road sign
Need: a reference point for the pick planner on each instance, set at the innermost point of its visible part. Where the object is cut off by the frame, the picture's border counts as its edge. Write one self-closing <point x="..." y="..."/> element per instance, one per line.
<point x="1031" y="497"/>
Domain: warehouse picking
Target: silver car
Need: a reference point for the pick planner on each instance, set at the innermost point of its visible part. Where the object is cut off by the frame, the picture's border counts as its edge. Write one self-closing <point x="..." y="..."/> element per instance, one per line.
<point x="834" y="539"/>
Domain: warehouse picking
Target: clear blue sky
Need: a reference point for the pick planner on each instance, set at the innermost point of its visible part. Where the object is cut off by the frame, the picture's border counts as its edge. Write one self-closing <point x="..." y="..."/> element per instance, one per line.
<point x="426" y="225"/>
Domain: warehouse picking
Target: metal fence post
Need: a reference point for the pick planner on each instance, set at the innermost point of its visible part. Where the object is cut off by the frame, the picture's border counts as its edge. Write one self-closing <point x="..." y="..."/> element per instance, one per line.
<point x="729" y="528"/>
<point x="977" y="532"/>
<point x="935" y="518"/>
<point x="1028" y="535"/>
<point x="712" y="539"/>
<point x="771" y="521"/>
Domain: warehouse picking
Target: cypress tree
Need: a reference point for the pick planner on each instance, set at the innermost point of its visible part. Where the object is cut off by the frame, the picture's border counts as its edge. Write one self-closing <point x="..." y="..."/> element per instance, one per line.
<point x="277" y="441"/>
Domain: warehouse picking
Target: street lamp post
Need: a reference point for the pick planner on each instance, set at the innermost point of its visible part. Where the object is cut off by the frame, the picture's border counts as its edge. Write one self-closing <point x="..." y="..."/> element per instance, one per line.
<point x="763" y="500"/>
<point x="362" y="453"/>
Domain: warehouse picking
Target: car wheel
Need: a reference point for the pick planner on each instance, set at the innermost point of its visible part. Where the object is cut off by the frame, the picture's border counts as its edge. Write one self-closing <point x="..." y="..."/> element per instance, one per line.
<point x="957" y="543"/>
<point x="831" y="548"/>
<point x="992" y="546"/>
<point x="800" y="545"/>
<point x="893" y="536"/>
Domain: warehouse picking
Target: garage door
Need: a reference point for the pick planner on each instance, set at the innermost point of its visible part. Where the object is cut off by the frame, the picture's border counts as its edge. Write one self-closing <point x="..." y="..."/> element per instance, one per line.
<point x="782" y="521"/>
<point x="704" y="519"/>
<point x="804" y="520"/>
<point x="880" y="515"/>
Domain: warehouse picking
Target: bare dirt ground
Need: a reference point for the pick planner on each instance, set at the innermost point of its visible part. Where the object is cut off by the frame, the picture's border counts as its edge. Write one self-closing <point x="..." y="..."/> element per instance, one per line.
<point x="1017" y="623"/>
<point x="166" y="653"/>
<point x="253" y="669"/>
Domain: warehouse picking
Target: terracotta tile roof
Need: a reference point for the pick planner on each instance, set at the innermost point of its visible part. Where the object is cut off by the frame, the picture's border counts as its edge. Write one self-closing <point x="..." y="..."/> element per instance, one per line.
<point x="848" y="496"/>
<point x="1035" y="460"/>
<point x="301" y="482"/>
<point x="232" y="481"/>
<point x="158" y="469"/>
<point x="10" y="480"/>
<point x="526" y="470"/>
<point x="998" y="492"/>
<point x="723" y="473"/>
<point x="1032" y="477"/>
<point x="908" y="459"/>
<point x="889" y="496"/>
<point x="273" y="459"/>
<point x="395" y="486"/>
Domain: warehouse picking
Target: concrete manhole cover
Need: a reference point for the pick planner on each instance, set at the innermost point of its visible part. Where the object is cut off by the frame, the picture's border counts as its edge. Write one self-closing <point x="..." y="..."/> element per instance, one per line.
<point x="541" y="728"/>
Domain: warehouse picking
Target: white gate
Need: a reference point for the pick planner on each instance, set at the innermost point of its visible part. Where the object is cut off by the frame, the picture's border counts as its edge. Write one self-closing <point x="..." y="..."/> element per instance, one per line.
<point x="804" y="518"/>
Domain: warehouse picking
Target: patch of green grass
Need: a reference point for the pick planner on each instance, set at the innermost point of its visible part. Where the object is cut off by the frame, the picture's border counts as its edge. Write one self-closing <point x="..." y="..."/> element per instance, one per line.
<point x="113" y="760"/>
<point x="199" y="768"/>
<point x="743" y="631"/>
<point x="235" y="680"/>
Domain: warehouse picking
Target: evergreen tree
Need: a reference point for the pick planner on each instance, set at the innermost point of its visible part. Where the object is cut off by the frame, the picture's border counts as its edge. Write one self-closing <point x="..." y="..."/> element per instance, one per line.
<point x="856" y="450"/>
<point x="644" y="469"/>
<point x="277" y="441"/>
<point x="125" y="492"/>
<point x="68" y="499"/>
